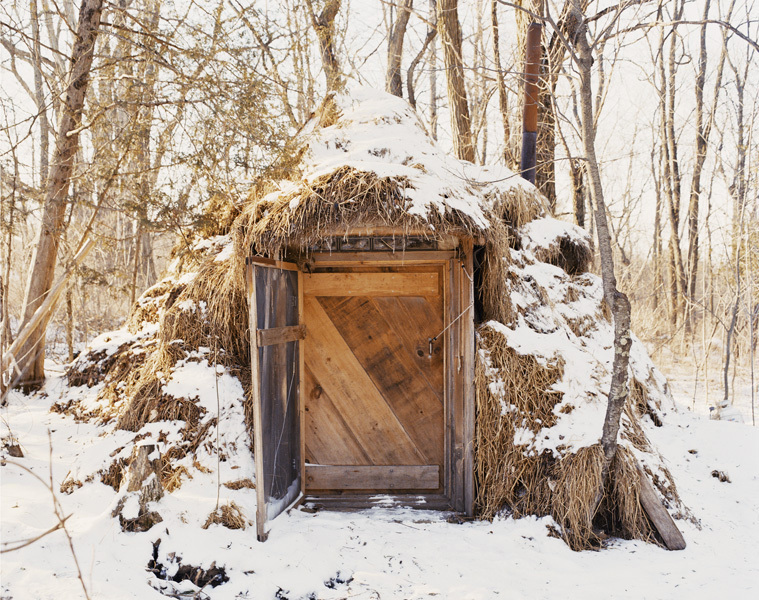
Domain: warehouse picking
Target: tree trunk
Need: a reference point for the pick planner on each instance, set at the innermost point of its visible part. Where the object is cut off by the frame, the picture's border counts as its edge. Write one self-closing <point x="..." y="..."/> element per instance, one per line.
<point x="324" y="26"/>
<point x="671" y="178"/>
<point x="450" y="33"/>
<point x="39" y="95"/>
<point x="393" y="81"/>
<point x="42" y="270"/>
<point x="503" y="98"/>
<point x="433" y="72"/>
<point x="703" y="131"/>
<point x="616" y="300"/>
<point x="576" y="170"/>
<point x="679" y="286"/>
<point x="429" y="39"/>
<point x="657" y="245"/>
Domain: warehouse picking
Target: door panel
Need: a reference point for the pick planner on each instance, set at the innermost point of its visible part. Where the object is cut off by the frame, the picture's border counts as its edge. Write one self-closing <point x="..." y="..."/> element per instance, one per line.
<point x="392" y="369"/>
<point x="390" y="477"/>
<point x="350" y="388"/>
<point x="275" y="364"/>
<point x="374" y="383"/>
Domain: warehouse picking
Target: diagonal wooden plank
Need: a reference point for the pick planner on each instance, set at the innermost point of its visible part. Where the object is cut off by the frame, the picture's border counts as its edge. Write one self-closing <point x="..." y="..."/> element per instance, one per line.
<point x="353" y="393"/>
<point x="383" y="358"/>
<point x="329" y="441"/>
<point x="425" y="313"/>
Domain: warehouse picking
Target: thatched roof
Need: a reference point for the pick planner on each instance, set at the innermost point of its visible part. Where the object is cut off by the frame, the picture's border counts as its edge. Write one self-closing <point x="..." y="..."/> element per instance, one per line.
<point x="544" y="351"/>
<point x="374" y="164"/>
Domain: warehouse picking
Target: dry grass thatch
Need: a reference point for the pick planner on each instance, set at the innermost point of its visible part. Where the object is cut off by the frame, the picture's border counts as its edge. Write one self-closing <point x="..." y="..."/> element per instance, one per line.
<point x="565" y="487"/>
<point x="229" y="515"/>
<point x="348" y="198"/>
<point x="567" y="253"/>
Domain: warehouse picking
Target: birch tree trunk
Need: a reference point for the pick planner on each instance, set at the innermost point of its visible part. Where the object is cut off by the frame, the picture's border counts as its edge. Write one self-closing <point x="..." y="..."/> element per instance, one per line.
<point x="450" y="34"/>
<point x="31" y="355"/>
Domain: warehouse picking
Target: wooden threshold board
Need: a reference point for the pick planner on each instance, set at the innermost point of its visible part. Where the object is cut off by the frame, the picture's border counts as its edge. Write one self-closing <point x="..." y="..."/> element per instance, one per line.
<point x="379" y="477"/>
<point x="356" y="502"/>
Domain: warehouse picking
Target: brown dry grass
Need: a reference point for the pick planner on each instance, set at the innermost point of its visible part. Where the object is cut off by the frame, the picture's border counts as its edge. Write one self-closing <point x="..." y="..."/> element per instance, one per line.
<point x="567" y="253"/>
<point x="566" y="487"/>
<point x="147" y="308"/>
<point x="504" y="472"/>
<point x="496" y="297"/>
<point x="171" y="477"/>
<point x="239" y="484"/>
<point x="229" y="515"/>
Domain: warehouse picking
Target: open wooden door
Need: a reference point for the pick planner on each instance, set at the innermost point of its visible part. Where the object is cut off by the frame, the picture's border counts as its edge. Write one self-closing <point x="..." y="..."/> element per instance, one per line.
<point x="274" y="301"/>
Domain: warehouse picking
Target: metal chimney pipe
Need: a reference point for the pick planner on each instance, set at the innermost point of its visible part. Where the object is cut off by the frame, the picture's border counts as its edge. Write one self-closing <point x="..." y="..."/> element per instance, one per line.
<point x="530" y="114"/>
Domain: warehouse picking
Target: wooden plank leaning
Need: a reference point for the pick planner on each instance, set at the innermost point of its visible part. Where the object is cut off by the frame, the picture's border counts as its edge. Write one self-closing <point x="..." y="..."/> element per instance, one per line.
<point x="659" y="515"/>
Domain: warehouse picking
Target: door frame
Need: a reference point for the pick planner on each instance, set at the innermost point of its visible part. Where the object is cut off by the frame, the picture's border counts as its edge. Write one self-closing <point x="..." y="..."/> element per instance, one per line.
<point x="458" y="377"/>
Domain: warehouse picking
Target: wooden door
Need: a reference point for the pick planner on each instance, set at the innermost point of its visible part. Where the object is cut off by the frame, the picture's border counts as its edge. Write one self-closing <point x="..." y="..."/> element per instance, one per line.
<point x="275" y="329"/>
<point x="374" y="388"/>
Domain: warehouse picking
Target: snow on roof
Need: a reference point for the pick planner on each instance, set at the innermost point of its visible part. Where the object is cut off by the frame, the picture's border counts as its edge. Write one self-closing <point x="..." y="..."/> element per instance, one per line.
<point x="381" y="133"/>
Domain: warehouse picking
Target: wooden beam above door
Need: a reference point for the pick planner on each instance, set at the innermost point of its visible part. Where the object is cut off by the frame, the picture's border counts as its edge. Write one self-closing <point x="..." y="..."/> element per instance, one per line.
<point x="371" y="284"/>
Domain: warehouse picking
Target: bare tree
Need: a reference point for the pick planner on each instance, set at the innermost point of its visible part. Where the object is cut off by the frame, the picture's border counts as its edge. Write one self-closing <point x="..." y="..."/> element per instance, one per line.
<point x="450" y="33"/>
<point x="393" y="81"/>
<point x="429" y="41"/>
<point x="32" y="354"/>
<point x="704" y="123"/>
<point x="616" y="300"/>
<point x="503" y="98"/>
<point x="324" y="25"/>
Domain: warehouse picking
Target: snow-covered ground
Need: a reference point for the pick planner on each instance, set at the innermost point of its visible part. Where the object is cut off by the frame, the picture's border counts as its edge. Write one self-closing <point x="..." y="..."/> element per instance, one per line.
<point x="381" y="553"/>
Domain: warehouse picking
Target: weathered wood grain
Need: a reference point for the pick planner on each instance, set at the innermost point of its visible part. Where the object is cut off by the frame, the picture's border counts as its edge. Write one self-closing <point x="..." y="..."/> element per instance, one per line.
<point x="329" y="440"/>
<point x="376" y="258"/>
<point x="258" y="443"/>
<point x="387" y="477"/>
<point x="414" y="321"/>
<point x="466" y="331"/>
<point x="280" y="335"/>
<point x="371" y="284"/>
<point x="659" y="515"/>
<point x="353" y="393"/>
<point x="392" y="369"/>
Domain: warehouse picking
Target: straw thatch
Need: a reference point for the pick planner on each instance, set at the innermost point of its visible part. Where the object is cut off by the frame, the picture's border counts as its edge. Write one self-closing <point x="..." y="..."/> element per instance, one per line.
<point x="354" y="171"/>
<point x="561" y="484"/>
